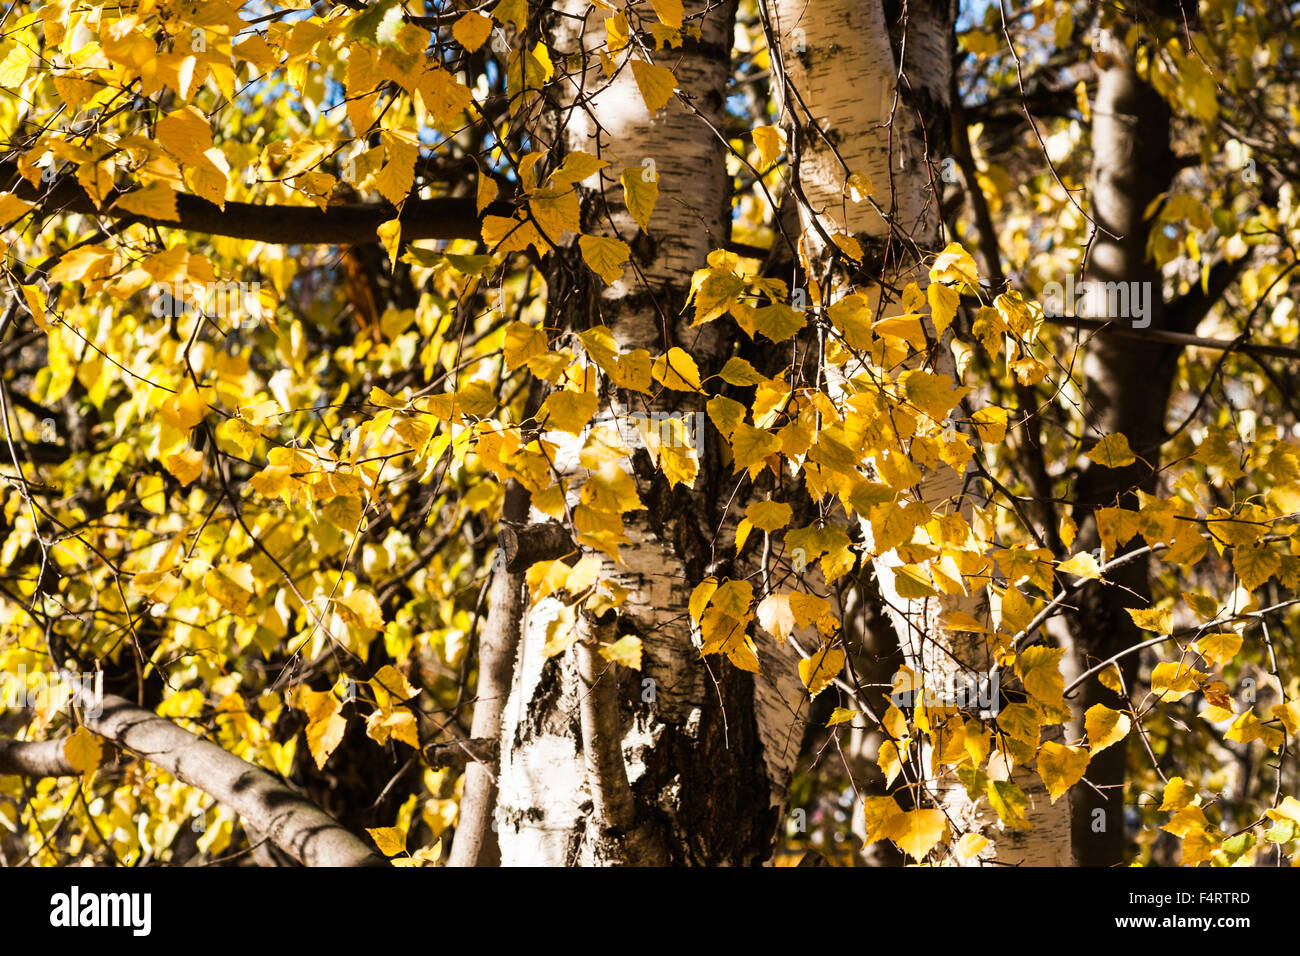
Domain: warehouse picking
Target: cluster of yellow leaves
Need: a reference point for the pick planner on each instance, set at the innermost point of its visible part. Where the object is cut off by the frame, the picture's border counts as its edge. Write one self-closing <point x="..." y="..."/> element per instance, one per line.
<point x="391" y="717"/>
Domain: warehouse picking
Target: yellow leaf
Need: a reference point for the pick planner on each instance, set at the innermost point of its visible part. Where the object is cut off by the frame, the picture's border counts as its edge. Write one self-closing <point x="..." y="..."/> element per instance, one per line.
<point x="1158" y="619"/>
<point x="1289" y="715"/>
<point x="943" y="305"/>
<point x="393" y="683"/>
<point x="640" y="190"/>
<point x="991" y="425"/>
<point x="484" y="191"/>
<point x="185" y="134"/>
<point x="83" y="750"/>
<point x="231" y="586"/>
<point x="750" y="446"/>
<point x="880" y="812"/>
<point x="970" y="846"/>
<point x="818" y="671"/>
<point x="324" y="736"/>
<point x="1040" y="670"/>
<point x="625" y="651"/>
<point x="185" y="465"/>
<point x="769" y="515"/>
<point x="716" y="288"/>
<point x="1178" y="794"/>
<point x="737" y="371"/>
<point x="723" y="633"/>
<point x="1083" y="565"/>
<point x="151" y="491"/>
<point x="932" y="393"/>
<point x="1105" y="727"/>
<point x="701" y="596"/>
<point x="1173" y="680"/>
<point x="1245" y="728"/>
<point x="401" y="149"/>
<point x="906" y="327"/>
<point x="155" y="201"/>
<point x="778" y="321"/>
<point x="569" y="411"/>
<point x="1288" y="809"/>
<point x="616" y="37"/>
<point x="1112" y="452"/>
<point x="605" y="256"/>
<point x="344" y="512"/>
<point x="669" y="12"/>
<point x="472" y="30"/>
<point x="557" y="211"/>
<point x="677" y="370"/>
<point x="13" y="70"/>
<point x="1218" y="648"/>
<point x="390" y="840"/>
<point x="523" y="342"/>
<point x="577" y="167"/>
<point x="1009" y="802"/>
<point x="1255" y="564"/>
<point x="775" y="616"/>
<point x="858" y="187"/>
<point x="656" y="84"/>
<point x="512" y="11"/>
<point x="851" y="315"/>
<point x="848" y="245"/>
<point x="841" y="715"/>
<point x="912" y="583"/>
<point x="918" y="831"/>
<point x="11" y="208"/>
<point x="1061" y="767"/>
<point x="954" y="264"/>
<point x="183" y="410"/>
<point x="35" y="299"/>
<point x="770" y="141"/>
<point x="362" y="609"/>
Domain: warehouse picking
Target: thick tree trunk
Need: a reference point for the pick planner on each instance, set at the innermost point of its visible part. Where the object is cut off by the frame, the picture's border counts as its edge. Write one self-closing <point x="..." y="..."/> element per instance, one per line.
<point x="849" y="115"/>
<point x="686" y="761"/>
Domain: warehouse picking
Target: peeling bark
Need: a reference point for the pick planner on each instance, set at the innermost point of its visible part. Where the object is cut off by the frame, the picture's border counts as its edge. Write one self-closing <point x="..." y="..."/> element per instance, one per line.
<point x="849" y="114"/>
<point x="708" y="750"/>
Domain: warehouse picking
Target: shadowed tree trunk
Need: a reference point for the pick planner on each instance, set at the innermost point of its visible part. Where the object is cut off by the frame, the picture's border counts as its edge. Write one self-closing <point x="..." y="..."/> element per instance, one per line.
<point x="686" y="761"/>
<point x="1127" y="387"/>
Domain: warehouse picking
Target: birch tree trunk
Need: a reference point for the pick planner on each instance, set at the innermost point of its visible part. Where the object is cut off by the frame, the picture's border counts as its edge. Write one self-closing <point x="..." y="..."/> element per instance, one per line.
<point x="847" y="114"/>
<point x="686" y="761"/>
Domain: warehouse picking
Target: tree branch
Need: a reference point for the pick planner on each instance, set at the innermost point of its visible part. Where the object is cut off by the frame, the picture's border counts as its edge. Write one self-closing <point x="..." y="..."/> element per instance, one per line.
<point x="524" y="545"/>
<point x="350" y="224"/>
<point x="474" y="843"/>
<point x="1109" y="327"/>
<point x="291" y="822"/>
<point x="43" y="758"/>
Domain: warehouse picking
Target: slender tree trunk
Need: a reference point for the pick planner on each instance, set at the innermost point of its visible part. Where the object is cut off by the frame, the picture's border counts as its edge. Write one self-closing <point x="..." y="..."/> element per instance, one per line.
<point x="849" y="114"/>
<point x="475" y="842"/>
<point x="1127" y="390"/>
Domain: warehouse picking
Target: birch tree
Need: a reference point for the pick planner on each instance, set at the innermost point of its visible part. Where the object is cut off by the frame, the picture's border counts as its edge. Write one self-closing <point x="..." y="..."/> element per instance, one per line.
<point x="527" y="434"/>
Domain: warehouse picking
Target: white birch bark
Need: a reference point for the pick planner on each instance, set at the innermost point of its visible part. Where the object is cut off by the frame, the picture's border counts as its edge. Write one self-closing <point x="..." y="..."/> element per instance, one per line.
<point x="708" y="750"/>
<point x="842" y="72"/>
